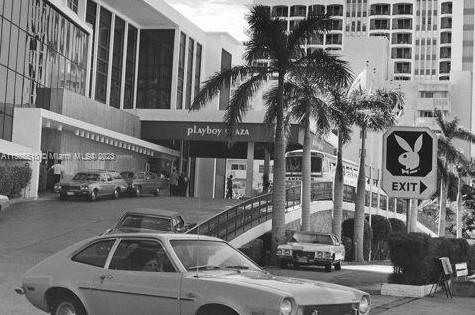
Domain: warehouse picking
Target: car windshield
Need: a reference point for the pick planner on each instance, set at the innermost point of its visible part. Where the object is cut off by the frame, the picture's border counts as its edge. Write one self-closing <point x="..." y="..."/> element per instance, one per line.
<point x="209" y="255"/>
<point x="86" y="176"/>
<point x="145" y="222"/>
<point x="311" y="238"/>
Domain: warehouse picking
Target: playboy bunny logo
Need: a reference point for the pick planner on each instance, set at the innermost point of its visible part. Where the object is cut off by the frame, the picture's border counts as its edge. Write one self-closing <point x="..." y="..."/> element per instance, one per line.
<point x="410" y="159"/>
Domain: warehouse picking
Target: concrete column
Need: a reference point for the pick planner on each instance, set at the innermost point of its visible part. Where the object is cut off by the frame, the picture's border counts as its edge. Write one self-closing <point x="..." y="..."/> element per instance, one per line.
<point x="412" y="216"/>
<point x="249" y="168"/>
<point x="180" y="163"/>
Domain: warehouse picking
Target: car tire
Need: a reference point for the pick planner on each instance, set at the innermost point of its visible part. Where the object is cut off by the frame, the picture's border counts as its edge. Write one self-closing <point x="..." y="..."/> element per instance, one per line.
<point x="93" y="196"/>
<point x="116" y="193"/>
<point x="68" y="305"/>
<point x="138" y="191"/>
<point x="338" y="266"/>
<point x="156" y="193"/>
<point x="328" y="268"/>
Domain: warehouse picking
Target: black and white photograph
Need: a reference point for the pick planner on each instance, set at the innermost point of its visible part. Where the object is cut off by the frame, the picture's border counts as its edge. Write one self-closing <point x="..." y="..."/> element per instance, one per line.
<point x="237" y="157"/>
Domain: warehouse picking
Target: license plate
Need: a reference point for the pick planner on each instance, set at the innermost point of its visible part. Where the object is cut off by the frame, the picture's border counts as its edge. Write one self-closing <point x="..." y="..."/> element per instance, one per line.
<point x="70" y="193"/>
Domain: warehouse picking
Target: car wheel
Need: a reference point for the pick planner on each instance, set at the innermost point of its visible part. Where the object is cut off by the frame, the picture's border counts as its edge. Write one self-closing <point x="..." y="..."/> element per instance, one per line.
<point x="338" y="266"/>
<point x="157" y="192"/>
<point x="93" y="196"/>
<point x="328" y="268"/>
<point x="68" y="305"/>
<point x="138" y="191"/>
<point x="115" y="194"/>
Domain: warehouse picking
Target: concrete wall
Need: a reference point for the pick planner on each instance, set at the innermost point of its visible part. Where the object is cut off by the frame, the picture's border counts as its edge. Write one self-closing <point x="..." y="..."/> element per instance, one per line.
<point x="205" y="178"/>
<point x="85" y="109"/>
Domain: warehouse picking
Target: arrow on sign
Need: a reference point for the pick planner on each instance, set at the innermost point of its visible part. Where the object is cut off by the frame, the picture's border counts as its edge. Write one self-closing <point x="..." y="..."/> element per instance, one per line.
<point x="422" y="187"/>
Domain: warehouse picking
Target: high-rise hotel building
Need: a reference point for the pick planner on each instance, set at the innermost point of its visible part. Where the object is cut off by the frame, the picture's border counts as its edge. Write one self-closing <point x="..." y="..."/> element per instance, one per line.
<point x="429" y="43"/>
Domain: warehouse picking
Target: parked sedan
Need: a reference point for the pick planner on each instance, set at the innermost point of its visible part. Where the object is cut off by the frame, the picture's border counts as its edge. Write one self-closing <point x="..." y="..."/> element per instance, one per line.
<point x="174" y="274"/>
<point x="92" y="184"/>
<point x="311" y="248"/>
<point x="139" y="183"/>
<point x="150" y="220"/>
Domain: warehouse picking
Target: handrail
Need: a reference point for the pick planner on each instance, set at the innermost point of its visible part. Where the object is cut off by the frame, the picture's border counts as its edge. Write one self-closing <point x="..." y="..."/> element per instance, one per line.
<point x="236" y="220"/>
<point x="232" y="222"/>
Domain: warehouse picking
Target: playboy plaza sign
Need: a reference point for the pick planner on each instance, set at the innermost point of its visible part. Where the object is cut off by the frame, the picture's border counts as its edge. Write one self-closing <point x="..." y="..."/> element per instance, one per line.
<point x="213" y="131"/>
<point x="409" y="163"/>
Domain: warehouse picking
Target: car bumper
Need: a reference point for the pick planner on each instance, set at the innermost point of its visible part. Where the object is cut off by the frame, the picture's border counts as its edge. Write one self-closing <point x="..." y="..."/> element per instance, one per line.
<point x="306" y="260"/>
<point x="74" y="192"/>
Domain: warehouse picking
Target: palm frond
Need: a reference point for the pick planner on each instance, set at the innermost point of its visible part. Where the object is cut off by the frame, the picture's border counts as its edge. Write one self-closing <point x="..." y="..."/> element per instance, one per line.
<point x="239" y="103"/>
<point x="306" y="28"/>
<point x="464" y="134"/>
<point x="213" y="85"/>
<point x="271" y="100"/>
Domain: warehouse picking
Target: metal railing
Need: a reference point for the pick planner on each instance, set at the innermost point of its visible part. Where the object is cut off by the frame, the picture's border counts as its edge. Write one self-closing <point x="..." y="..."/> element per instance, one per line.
<point x="238" y="219"/>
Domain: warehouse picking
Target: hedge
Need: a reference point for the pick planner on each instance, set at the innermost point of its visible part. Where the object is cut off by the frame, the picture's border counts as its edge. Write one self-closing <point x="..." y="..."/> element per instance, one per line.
<point x="415" y="256"/>
<point x="381" y="230"/>
<point x="347" y="230"/>
<point x="397" y="225"/>
<point x="13" y="179"/>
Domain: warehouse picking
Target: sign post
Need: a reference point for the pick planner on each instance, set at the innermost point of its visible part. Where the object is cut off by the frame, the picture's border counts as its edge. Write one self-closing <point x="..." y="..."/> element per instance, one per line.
<point x="409" y="163"/>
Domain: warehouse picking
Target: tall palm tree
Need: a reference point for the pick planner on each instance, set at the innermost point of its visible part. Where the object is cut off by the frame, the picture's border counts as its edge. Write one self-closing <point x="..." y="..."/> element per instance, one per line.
<point x="450" y="130"/>
<point x="343" y="119"/>
<point x="374" y="113"/>
<point x="284" y="52"/>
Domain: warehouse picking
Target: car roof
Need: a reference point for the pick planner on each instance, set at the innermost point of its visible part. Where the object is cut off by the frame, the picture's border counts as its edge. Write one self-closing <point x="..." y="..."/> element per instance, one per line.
<point x="163" y="236"/>
<point x="156" y="212"/>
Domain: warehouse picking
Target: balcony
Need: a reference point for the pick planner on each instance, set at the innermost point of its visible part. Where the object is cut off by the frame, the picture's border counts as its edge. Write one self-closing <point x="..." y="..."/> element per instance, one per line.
<point x="380" y="24"/>
<point x="446" y="23"/>
<point x="402" y="24"/>
<point x="430" y="104"/>
<point x="402" y="9"/>
<point x="428" y="122"/>
<point x="446" y="8"/>
<point x="380" y="9"/>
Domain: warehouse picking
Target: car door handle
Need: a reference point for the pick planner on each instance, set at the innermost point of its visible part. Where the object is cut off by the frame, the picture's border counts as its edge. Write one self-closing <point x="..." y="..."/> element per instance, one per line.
<point x="108" y="277"/>
<point x="190" y="295"/>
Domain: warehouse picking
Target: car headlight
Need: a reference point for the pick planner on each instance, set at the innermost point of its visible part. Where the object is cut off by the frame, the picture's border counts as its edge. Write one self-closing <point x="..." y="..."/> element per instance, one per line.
<point x="286" y="307"/>
<point x="84" y="187"/>
<point x="288" y="252"/>
<point x="279" y="251"/>
<point x="364" y="304"/>
<point x="319" y="254"/>
<point x="328" y="255"/>
<point x="57" y="187"/>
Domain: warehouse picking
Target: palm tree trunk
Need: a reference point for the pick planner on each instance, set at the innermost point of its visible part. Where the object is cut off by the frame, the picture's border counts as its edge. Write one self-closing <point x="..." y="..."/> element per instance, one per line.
<point x="306" y="175"/>
<point x="358" y="236"/>
<point x="278" y="194"/>
<point x="443" y="202"/>
<point x="265" y="176"/>
<point x="338" y="191"/>
<point x="459" y="207"/>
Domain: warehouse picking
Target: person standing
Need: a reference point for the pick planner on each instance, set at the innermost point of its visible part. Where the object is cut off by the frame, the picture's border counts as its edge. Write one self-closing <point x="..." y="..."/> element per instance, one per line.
<point x="173" y="182"/>
<point x="58" y="172"/>
<point x="229" y="187"/>
<point x="181" y="185"/>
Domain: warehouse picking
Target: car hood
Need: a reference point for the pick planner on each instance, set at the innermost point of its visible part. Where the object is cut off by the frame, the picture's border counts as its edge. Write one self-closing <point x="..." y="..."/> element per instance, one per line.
<point x="307" y="246"/>
<point x="305" y="292"/>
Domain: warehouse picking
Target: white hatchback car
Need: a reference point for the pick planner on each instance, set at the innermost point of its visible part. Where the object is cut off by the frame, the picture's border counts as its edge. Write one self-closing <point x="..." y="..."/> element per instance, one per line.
<point x="172" y="274"/>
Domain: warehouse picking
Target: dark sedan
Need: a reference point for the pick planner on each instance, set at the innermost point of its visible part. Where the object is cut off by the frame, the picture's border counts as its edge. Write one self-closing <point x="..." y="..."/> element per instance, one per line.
<point x="139" y="183"/>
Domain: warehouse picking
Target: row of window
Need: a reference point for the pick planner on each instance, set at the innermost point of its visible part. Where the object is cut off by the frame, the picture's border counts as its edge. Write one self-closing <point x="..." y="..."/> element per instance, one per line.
<point x="301" y="11"/>
<point x="192" y="55"/>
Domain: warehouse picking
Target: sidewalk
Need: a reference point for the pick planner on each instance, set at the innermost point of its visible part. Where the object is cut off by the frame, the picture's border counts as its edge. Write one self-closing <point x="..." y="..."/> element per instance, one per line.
<point x="41" y="197"/>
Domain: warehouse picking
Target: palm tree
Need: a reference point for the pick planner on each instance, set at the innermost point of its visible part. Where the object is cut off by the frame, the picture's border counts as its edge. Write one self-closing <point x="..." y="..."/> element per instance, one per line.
<point x="374" y="113"/>
<point x="449" y="155"/>
<point x="343" y="120"/>
<point x="283" y="52"/>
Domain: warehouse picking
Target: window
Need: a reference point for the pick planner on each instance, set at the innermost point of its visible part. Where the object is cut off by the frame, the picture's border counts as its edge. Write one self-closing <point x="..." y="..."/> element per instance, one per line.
<point x="117" y="58"/>
<point x="181" y="72"/>
<point x="103" y="54"/>
<point x="91" y="11"/>
<point x="95" y="254"/>
<point x="280" y="11"/>
<point x="445" y="52"/>
<point x="225" y="91"/>
<point x="130" y="65"/>
<point x="155" y="69"/>
<point x="189" y="72"/>
<point x="141" y="255"/>
<point x="316" y="9"/>
<point x="238" y="167"/>
<point x="334" y="39"/>
<point x="199" y="52"/>
<point x="298" y="10"/>
<point x="73" y="5"/>
<point x="401" y="53"/>
<point x="426" y="114"/>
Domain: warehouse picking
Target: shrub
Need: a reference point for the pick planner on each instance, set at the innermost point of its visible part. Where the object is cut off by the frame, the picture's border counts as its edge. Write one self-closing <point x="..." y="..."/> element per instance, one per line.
<point x="397" y="225"/>
<point x="415" y="256"/>
<point x="347" y="230"/>
<point x="381" y="230"/>
<point x="14" y="179"/>
<point x="348" y="243"/>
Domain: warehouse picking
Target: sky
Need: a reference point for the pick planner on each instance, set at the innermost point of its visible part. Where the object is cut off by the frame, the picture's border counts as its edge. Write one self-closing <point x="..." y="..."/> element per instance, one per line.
<point x="215" y="15"/>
